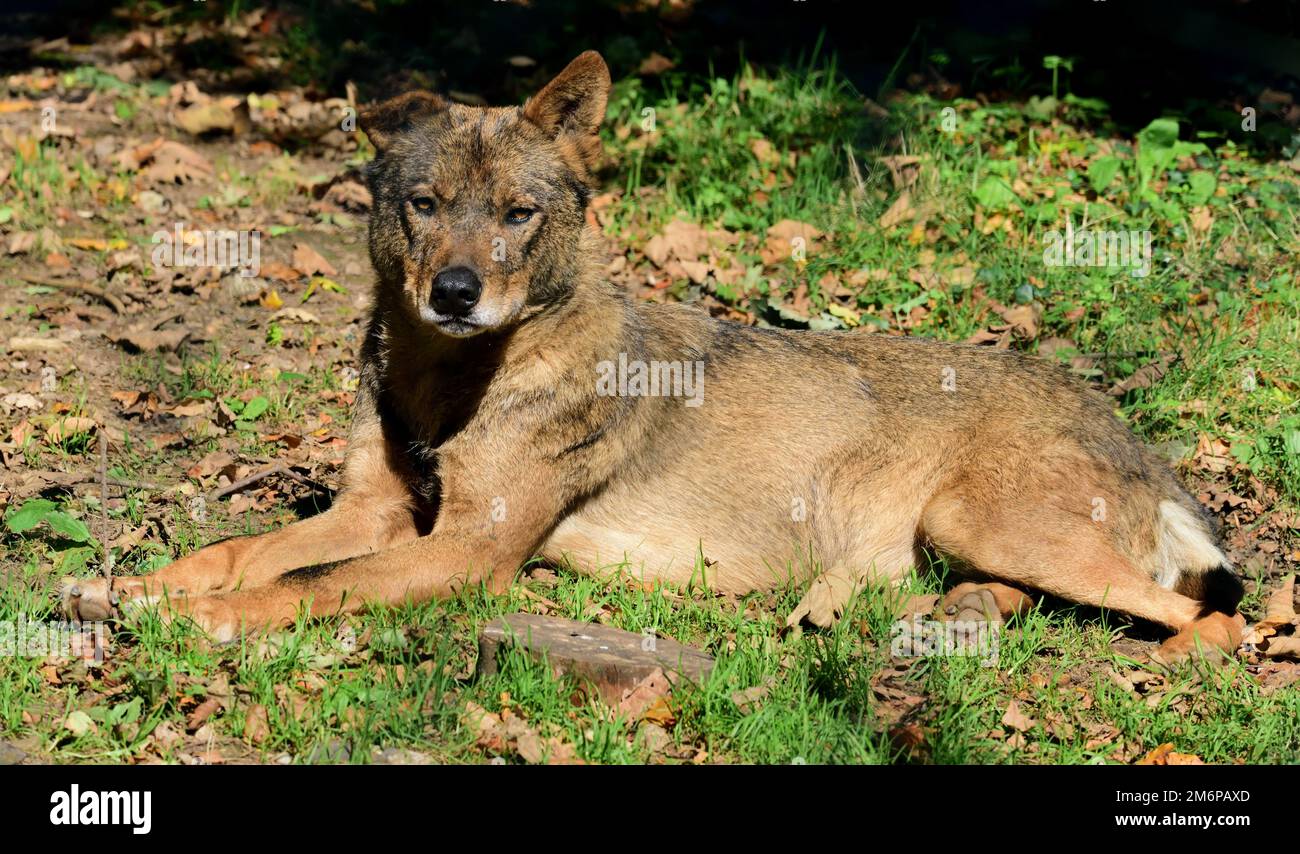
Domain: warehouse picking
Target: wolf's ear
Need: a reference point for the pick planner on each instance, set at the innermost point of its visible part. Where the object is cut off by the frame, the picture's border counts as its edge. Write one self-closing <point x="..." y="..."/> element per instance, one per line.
<point x="385" y="120"/>
<point x="572" y="106"/>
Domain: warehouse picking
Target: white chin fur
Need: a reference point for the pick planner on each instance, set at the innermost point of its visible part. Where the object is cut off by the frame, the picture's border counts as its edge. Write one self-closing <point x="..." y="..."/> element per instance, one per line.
<point x="465" y="327"/>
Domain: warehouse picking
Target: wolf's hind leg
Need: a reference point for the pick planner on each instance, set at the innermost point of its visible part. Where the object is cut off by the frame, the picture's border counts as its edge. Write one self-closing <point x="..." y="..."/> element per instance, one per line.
<point x="1067" y="555"/>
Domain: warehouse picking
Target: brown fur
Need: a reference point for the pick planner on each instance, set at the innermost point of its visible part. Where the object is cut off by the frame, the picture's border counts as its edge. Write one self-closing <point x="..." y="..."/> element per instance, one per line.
<point x="823" y="457"/>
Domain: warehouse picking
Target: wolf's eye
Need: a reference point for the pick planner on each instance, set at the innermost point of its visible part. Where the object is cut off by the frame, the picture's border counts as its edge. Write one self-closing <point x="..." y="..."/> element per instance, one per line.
<point x="519" y="216"/>
<point x="423" y="204"/>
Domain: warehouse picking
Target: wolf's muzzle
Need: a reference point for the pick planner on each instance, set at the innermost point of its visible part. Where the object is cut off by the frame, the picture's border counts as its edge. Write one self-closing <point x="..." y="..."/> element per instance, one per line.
<point x="455" y="291"/>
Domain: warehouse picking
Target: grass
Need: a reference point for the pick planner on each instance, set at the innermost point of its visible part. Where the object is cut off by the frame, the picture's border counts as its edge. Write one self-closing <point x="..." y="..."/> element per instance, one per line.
<point x="743" y="154"/>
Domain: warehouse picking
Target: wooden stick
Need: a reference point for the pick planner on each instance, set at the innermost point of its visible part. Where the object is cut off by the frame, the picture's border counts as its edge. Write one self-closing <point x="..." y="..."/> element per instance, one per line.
<point x="60" y="478"/>
<point x="103" y="505"/>
<point x="77" y="287"/>
<point x="244" y="483"/>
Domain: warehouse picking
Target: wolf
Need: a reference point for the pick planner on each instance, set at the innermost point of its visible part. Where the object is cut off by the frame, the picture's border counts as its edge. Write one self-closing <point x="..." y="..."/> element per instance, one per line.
<point x="483" y="436"/>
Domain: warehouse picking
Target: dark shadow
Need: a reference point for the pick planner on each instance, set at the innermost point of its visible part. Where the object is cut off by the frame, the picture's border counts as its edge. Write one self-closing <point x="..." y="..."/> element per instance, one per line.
<point x="1201" y="60"/>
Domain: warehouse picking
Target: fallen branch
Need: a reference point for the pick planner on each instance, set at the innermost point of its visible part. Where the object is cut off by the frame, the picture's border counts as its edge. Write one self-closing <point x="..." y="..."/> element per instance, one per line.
<point x="77" y="287"/>
<point x="245" y="482"/>
<point x="19" y="344"/>
<point x="103" y="506"/>
<point x="63" y="478"/>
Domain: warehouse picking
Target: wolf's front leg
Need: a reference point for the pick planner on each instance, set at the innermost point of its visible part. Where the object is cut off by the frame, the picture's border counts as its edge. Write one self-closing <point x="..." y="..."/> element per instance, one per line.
<point x="482" y="535"/>
<point x="431" y="567"/>
<point x="375" y="510"/>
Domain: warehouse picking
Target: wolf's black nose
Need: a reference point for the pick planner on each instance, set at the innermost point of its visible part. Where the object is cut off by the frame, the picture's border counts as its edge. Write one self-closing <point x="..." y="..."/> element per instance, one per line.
<point x="455" y="291"/>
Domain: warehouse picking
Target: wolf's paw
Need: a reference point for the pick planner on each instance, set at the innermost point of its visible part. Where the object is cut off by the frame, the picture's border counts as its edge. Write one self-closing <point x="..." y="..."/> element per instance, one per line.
<point x="824" y="603"/>
<point x="969" y="602"/>
<point x="88" y="599"/>
<point x="91" y="599"/>
<point x="1215" y="636"/>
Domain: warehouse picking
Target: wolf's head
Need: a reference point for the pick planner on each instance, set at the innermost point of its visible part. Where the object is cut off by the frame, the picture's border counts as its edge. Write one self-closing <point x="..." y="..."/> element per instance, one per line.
<point x="478" y="212"/>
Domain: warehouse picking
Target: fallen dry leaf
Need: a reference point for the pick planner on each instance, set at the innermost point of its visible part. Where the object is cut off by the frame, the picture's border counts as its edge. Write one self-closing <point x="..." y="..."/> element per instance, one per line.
<point x="685" y="241"/>
<point x="257" y="726"/>
<point x="1165" y="755"/>
<point x="150" y="340"/>
<point x="1145" y="376"/>
<point x="169" y="162"/>
<point x="1281" y="647"/>
<point x="1281" y="605"/>
<point x="201" y="713"/>
<point x="900" y="211"/>
<point x="196" y="120"/>
<point x="1023" y="320"/>
<point x="640" y="697"/>
<point x="65" y="427"/>
<point x="1017" y="719"/>
<point x="747" y="700"/>
<point x="309" y="262"/>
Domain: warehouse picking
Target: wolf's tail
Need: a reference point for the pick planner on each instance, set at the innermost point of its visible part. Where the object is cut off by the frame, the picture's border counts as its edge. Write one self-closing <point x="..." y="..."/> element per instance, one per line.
<point x="1187" y="559"/>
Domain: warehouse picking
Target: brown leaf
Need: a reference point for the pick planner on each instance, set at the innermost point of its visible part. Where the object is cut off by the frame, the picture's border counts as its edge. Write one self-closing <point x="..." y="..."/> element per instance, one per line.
<point x="21" y="242"/>
<point x="685" y="241"/>
<point x="904" y="169"/>
<point x="696" y="271"/>
<point x="907" y="737"/>
<point x="199" y="119"/>
<point x="530" y="747"/>
<point x="257" y="726"/>
<point x="130" y="538"/>
<point x="900" y="211"/>
<point x="482" y="723"/>
<point x="1017" y="719"/>
<point x="1158" y="755"/>
<point x="1281" y="647"/>
<point x="65" y="427"/>
<point x="1281" y="605"/>
<point x="789" y="229"/>
<point x="748" y="699"/>
<point x="309" y="262"/>
<point x="640" y="697"/>
<point x="169" y="161"/>
<point x="1145" y="376"/>
<point x="150" y="340"/>
<point x="653" y="64"/>
<point x="211" y="464"/>
<point x="165" y="736"/>
<point x="1201" y="219"/>
<point x="276" y="271"/>
<point x="1023" y="320"/>
<point x="1048" y="347"/>
<point x="660" y="712"/>
<point x="201" y="713"/>
<point x="998" y="336"/>
<point x="89" y="244"/>
<point x="1165" y="755"/>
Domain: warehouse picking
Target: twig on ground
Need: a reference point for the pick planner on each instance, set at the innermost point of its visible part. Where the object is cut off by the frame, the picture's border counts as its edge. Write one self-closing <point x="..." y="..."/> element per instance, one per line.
<point x="64" y="478"/>
<point x="244" y="483"/>
<point x="77" y="287"/>
<point x="103" y="506"/>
